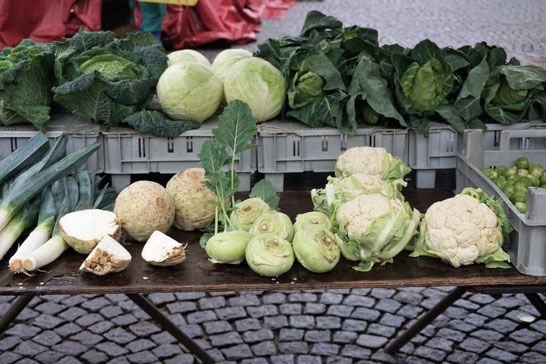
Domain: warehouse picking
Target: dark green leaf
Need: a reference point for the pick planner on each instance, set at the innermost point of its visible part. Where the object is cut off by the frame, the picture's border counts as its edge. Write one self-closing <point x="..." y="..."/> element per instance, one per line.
<point x="236" y="127"/>
<point x="204" y="238"/>
<point x="212" y="157"/>
<point x="265" y="190"/>
<point x="475" y="82"/>
<point x="158" y="124"/>
<point x="447" y="112"/>
<point x="317" y="20"/>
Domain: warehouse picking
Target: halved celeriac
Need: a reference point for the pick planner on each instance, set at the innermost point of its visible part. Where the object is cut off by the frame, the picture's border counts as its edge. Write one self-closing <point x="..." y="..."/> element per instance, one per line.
<point x="163" y="250"/>
<point x="109" y="256"/>
<point x="83" y="229"/>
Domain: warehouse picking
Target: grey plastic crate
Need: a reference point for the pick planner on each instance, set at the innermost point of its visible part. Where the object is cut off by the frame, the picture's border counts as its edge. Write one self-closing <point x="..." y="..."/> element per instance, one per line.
<point x="287" y="147"/>
<point x="128" y="152"/>
<point x="527" y="246"/>
<point x="80" y="135"/>
<point x="439" y="150"/>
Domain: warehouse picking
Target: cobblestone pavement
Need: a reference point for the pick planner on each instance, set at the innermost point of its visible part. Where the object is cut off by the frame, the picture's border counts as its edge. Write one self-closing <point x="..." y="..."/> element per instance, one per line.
<point x="334" y="326"/>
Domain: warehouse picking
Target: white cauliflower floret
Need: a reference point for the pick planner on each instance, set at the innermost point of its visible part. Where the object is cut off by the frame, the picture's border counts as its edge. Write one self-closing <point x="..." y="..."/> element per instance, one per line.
<point x="461" y="229"/>
<point x="368" y="181"/>
<point x="367" y="160"/>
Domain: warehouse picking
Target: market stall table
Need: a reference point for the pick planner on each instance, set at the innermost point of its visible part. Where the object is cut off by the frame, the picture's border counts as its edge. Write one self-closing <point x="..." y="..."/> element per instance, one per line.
<point x="197" y="274"/>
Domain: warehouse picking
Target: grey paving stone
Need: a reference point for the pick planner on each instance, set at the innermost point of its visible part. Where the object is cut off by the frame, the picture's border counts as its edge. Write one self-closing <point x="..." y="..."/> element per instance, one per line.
<point x="111" y="349"/>
<point x="259" y="335"/>
<point x="454" y="335"/>
<point x="293" y="347"/>
<point x="27" y="314"/>
<point x="317" y="336"/>
<point x="166" y="351"/>
<point x="8" y="357"/>
<point x="181" y="307"/>
<point x="408" y="297"/>
<point x="111" y="311"/>
<point x="47" y="338"/>
<point x="338" y="360"/>
<point x="328" y="322"/>
<point x="255" y="361"/>
<point x="330" y="298"/>
<point x="51" y="356"/>
<point x="181" y="359"/>
<point x="357" y="300"/>
<point x="430" y="353"/>
<point x="540" y="326"/>
<point x="275" y="322"/>
<point x="482" y="299"/>
<point x="46" y="321"/>
<point x="462" y="357"/>
<point x="285" y="358"/>
<point x="164" y="338"/>
<point x="101" y="327"/>
<point x="533" y="357"/>
<point x="487" y="335"/>
<point x="474" y="345"/>
<point x="382" y="292"/>
<point x="124" y="320"/>
<point x="344" y="337"/>
<point x="302" y="297"/>
<point x="229" y="338"/>
<point x="456" y="312"/>
<point x="354" y="325"/>
<point x="216" y="327"/>
<point x="72" y="360"/>
<point x="512" y="346"/>
<point x="526" y="336"/>
<point x="211" y="303"/>
<point x="262" y="311"/>
<point x="314" y="308"/>
<point x="95" y="304"/>
<point x="76" y="300"/>
<point x="140" y="345"/>
<point x="178" y="319"/>
<point x="161" y="298"/>
<point x="237" y="352"/>
<point x="67" y="329"/>
<point x="265" y="348"/>
<point x="231" y="313"/>
<point x="274" y="298"/>
<point x="488" y="361"/>
<point x="381" y="330"/>
<point x="388" y="305"/>
<point x="492" y="311"/>
<point x="410" y="359"/>
<point x="410" y="311"/>
<point x="205" y="345"/>
<point x="87" y="338"/>
<point x="244" y="300"/>
<point x="476" y="319"/>
<point x="440" y="343"/>
<point x="367" y="314"/>
<point x="408" y="348"/>
<point x="50" y="308"/>
<point x="90" y="319"/>
<point x="461" y="326"/>
<point x="9" y="342"/>
<point x="461" y="302"/>
<point x="248" y="324"/>
<point x="115" y="297"/>
<point x="72" y="313"/>
<point x="420" y="339"/>
<point x="94" y="356"/>
<point x="502" y="355"/>
<point x="361" y="291"/>
<point x="340" y="310"/>
<point x="508" y="302"/>
<point x="308" y="359"/>
<point x="291" y="334"/>
<point x="188" y="296"/>
<point x="29" y="348"/>
<point x="354" y="351"/>
<point x="142" y="357"/>
<point x="392" y="320"/>
<point x="291" y="308"/>
<point x="201" y="316"/>
<point x="119" y="335"/>
<point x="371" y="341"/>
<point x="325" y="349"/>
<point x="540" y="347"/>
<point x="302" y="321"/>
<point x="70" y="347"/>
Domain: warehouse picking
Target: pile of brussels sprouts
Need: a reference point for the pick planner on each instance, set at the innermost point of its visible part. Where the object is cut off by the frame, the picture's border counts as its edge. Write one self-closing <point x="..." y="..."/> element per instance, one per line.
<point x="514" y="181"/>
<point x="270" y="243"/>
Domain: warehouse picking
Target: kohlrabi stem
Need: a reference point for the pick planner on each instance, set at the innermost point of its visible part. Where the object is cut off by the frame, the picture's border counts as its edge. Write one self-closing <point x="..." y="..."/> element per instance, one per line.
<point x="215" y="219"/>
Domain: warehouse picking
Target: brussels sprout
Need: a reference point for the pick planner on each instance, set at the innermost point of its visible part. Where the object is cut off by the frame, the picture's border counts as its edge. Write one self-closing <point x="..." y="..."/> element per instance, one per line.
<point x="518" y="197"/>
<point x="522" y="163"/>
<point x="273" y="222"/>
<point x="520" y="206"/>
<point x="269" y="255"/>
<point x="512" y="171"/>
<point x="489" y="173"/>
<point x="316" y="249"/>
<point x="228" y="247"/>
<point x="248" y="211"/>
<point x="258" y="83"/>
<point x="501" y="170"/>
<point x="523" y="172"/>
<point x="536" y="170"/>
<point x="312" y="219"/>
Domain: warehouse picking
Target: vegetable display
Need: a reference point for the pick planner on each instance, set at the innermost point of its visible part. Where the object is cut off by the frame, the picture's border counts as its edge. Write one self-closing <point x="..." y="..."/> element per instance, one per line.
<point x="514" y="181"/>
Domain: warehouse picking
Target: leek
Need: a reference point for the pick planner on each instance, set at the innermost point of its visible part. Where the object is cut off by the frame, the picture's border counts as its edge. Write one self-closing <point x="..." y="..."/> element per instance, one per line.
<point x="24" y="219"/>
<point x="24" y="156"/>
<point x="17" y="197"/>
<point x="40" y="234"/>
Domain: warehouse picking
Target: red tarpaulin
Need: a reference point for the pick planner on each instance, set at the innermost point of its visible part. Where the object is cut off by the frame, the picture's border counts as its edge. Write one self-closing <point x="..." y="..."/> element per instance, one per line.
<point x="46" y="20"/>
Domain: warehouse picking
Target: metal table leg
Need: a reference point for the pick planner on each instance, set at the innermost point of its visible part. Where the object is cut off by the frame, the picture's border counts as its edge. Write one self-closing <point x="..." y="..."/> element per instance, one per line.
<point x="426" y="319"/>
<point x="537" y="302"/>
<point x="15" y="309"/>
<point x="166" y="324"/>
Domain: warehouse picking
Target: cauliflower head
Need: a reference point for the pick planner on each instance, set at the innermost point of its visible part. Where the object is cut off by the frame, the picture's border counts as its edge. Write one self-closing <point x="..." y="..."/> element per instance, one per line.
<point x="462" y="230"/>
<point x="374" y="161"/>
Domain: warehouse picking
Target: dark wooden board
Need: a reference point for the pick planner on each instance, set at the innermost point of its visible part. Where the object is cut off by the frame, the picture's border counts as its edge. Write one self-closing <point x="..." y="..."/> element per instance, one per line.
<point x="197" y="274"/>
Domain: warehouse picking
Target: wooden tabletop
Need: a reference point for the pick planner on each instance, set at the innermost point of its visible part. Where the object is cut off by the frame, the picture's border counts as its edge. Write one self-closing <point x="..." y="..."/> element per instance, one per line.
<point x="197" y="274"/>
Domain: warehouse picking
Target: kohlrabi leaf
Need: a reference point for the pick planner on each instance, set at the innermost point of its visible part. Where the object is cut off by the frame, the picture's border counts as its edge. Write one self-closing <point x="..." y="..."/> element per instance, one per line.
<point x="236" y="127"/>
<point x="265" y="190"/>
<point x="158" y="124"/>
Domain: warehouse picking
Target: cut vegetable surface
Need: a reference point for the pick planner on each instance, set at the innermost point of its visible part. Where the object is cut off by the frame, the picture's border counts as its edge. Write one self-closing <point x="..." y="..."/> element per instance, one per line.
<point x="162" y="250"/>
<point x="84" y="229"/>
<point x="108" y="256"/>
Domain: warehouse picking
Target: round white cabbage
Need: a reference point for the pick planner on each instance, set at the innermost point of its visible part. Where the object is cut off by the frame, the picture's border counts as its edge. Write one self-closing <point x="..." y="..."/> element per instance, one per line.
<point x="225" y="60"/>
<point x="187" y="55"/>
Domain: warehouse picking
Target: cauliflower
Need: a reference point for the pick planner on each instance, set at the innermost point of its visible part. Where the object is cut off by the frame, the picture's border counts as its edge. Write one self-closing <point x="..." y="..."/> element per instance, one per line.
<point x="464" y="229"/>
<point x="371" y="161"/>
<point x="374" y="228"/>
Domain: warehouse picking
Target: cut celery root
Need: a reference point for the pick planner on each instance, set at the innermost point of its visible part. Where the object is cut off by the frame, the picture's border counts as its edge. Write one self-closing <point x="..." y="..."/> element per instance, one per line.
<point x="109" y="256"/>
<point x="84" y="229"/>
<point x="163" y="250"/>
